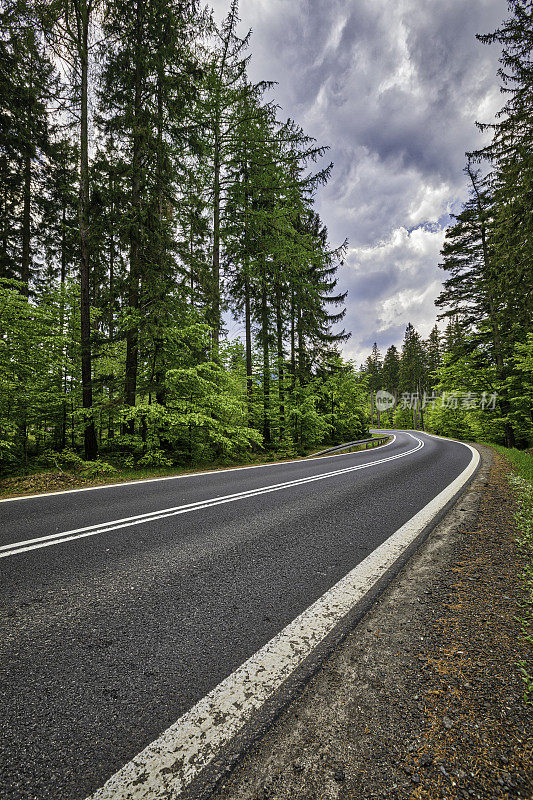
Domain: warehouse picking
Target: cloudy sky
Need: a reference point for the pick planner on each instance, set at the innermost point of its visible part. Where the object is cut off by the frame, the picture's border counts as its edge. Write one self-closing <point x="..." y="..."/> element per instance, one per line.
<point x="394" y="88"/>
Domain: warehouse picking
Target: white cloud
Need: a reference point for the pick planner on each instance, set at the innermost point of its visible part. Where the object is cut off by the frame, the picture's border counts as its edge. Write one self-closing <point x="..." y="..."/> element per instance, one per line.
<point x="395" y="89"/>
<point x="394" y="282"/>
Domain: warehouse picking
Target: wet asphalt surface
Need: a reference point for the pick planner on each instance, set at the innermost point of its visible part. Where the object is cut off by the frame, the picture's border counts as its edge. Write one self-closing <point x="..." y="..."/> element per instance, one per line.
<point x="105" y="641"/>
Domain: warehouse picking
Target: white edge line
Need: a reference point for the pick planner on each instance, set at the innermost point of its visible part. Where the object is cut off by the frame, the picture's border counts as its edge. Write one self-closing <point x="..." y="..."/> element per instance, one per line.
<point x="179" y="477"/>
<point x="177" y="757"/>
<point x="25" y="545"/>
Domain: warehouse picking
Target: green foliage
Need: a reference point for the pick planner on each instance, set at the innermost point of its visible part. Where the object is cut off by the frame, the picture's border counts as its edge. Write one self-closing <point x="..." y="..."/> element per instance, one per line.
<point x="309" y="426"/>
<point x="454" y="390"/>
<point x="345" y="392"/>
<point x="66" y="459"/>
<point x="196" y="203"/>
<point x="403" y="418"/>
<point x="412" y="373"/>
<point x="521" y="460"/>
<point x="449" y="421"/>
<point x="391" y="370"/>
<point x="154" y="458"/>
<point x="97" y="469"/>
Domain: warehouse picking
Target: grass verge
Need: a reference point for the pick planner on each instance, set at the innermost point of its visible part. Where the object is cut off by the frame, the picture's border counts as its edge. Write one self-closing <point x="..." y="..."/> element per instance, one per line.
<point x="522" y="483"/>
<point x="58" y="480"/>
<point x="46" y="480"/>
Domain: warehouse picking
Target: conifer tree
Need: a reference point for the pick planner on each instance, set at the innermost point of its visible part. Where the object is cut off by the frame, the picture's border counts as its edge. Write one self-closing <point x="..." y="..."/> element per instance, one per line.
<point x="148" y="76"/>
<point x="433" y="356"/>
<point x="391" y="370"/>
<point x="470" y="294"/>
<point x="412" y="377"/>
<point x="29" y="86"/>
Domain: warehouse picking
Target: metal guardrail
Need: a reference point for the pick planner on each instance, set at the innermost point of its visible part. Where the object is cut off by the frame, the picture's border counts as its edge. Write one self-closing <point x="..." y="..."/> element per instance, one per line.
<point x="348" y="445"/>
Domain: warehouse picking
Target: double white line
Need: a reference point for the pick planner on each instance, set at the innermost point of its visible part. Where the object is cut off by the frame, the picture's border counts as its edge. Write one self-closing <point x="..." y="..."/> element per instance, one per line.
<point x="92" y="530"/>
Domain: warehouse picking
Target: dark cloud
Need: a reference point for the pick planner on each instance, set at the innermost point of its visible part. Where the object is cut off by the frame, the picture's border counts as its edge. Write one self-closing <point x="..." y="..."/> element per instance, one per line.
<point x="385" y="339"/>
<point x="394" y="88"/>
<point x="374" y="285"/>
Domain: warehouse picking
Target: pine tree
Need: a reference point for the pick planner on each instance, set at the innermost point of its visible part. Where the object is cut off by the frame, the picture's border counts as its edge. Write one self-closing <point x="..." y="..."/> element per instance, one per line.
<point x="146" y="87"/>
<point x="224" y="86"/>
<point x="433" y="356"/>
<point x="29" y="86"/>
<point x="510" y="155"/>
<point x="470" y="294"/>
<point x="391" y="370"/>
<point x="412" y="379"/>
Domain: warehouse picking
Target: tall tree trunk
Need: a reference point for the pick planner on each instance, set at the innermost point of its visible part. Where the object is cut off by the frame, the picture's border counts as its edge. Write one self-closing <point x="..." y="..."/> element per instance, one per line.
<point x="26" y="226"/>
<point x="266" y="360"/>
<point x="293" y="342"/>
<point x="91" y="446"/>
<point x="248" y="343"/>
<point x="217" y="158"/>
<point x="3" y="223"/>
<point x="247" y="301"/>
<point x="191" y="270"/>
<point x="281" y="371"/>
<point x="293" y="363"/>
<point x="160" y="371"/>
<point x="216" y="246"/>
<point x="301" y="349"/>
<point x="110" y="310"/>
<point x="63" y="372"/>
<point x="26" y="198"/>
<point x="132" y="335"/>
<point x="510" y="439"/>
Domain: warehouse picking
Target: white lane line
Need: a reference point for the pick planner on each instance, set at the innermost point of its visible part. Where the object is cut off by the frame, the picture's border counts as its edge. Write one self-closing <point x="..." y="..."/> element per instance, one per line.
<point x="24" y="546"/>
<point x="181" y="477"/>
<point x="169" y="764"/>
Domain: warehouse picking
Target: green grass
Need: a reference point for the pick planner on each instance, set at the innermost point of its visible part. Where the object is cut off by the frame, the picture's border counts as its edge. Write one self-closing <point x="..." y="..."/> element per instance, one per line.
<point x="521" y="460"/>
<point x="522" y="483"/>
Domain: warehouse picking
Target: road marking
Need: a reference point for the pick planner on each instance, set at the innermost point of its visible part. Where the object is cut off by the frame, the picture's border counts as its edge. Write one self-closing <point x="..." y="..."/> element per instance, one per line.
<point x="180" y="477"/>
<point x="169" y="764"/>
<point x="24" y="546"/>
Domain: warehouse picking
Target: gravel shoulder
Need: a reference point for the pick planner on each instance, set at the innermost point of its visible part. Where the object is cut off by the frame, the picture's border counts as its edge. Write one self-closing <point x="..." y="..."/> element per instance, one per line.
<point x="424" y="698"/>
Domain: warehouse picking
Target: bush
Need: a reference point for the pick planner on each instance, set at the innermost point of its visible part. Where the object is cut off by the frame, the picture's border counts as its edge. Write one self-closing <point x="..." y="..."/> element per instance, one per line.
<point x="93" y="469"/>
<point x="154" y="458"/>
<point x="70" y="459"/>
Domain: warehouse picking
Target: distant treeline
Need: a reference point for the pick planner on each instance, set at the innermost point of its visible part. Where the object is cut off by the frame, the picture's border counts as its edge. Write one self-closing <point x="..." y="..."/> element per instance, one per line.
<point x="436" y="389"/>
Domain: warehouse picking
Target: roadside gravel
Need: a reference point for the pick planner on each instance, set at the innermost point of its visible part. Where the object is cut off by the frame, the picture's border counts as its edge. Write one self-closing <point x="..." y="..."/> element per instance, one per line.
<point x="423" y="700"/>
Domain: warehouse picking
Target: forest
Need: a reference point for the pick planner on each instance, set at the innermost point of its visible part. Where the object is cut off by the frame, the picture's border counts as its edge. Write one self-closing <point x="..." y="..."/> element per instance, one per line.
<point x="151" y="194"/>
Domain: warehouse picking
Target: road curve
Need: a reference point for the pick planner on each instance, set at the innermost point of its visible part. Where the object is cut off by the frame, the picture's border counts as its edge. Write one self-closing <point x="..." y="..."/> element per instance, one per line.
<point x="123" y="606"/>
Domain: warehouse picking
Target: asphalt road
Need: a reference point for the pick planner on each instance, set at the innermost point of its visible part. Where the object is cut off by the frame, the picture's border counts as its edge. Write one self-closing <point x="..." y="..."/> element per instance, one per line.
<point x="108" y="636"/>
